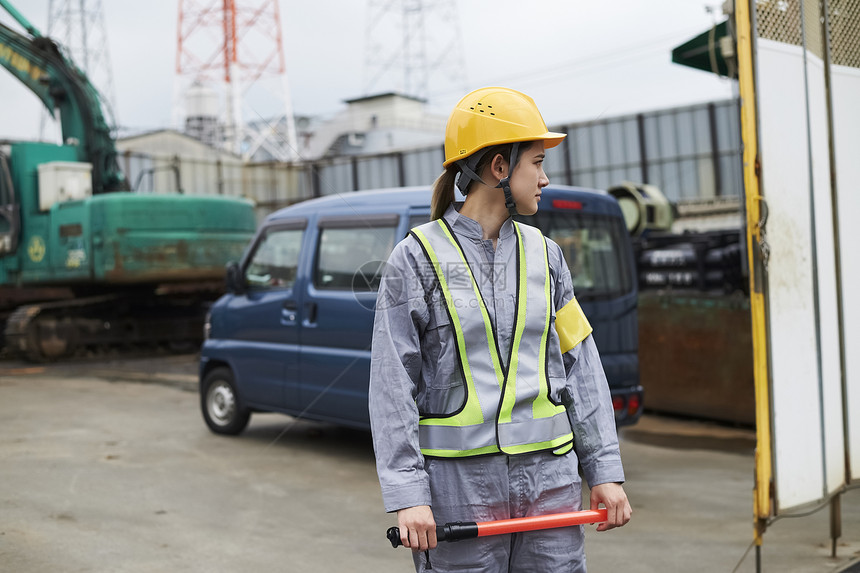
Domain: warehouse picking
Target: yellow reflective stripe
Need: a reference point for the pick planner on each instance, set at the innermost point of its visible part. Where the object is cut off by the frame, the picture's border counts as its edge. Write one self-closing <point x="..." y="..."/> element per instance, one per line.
<point x="542" y="407"/>
<point x="571" y="325"/>
<point x="564" y="449"/>
<point x="461" y="453"/>
<point x="510" y="396"/>
<point x="471" y="413"/>
<point x="488" y="326"/>
<point x="538" y="446"/>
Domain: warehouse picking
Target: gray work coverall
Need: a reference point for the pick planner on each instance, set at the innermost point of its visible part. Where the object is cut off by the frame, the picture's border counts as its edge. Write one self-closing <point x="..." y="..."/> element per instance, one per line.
<point x="414" y="368"/>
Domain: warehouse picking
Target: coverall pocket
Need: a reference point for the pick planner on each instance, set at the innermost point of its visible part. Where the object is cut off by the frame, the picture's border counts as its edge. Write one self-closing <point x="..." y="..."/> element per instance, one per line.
<point x="561" y="487"/>
<point x="444" y="390"/>
<point x="440" y="351"/>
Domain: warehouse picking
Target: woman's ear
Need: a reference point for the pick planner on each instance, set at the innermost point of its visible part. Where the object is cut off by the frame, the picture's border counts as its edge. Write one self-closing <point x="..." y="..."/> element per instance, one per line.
<point x="498" y="167"/>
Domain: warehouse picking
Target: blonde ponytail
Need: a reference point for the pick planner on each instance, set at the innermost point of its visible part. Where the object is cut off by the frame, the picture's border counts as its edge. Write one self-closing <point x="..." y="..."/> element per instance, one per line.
<point x="443" y="192"/>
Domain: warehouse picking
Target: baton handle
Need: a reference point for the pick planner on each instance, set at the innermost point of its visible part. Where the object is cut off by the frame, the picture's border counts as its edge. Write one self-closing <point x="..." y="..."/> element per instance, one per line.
<point x="454" y="531"/>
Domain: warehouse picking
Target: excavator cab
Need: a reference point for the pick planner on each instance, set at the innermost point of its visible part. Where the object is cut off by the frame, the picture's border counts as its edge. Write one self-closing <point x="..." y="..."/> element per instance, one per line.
<point x="10" y="219"/>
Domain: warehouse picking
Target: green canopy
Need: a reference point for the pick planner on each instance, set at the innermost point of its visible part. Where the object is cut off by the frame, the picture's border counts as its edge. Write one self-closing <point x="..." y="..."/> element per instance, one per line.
<point x="703" y="52"/>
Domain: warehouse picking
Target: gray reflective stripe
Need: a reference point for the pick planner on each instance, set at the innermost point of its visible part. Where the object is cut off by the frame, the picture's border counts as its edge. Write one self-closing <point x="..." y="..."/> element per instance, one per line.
<point x="526" y="380"/>
<point x="534" y="431"/>
<point x="457" y="438"/>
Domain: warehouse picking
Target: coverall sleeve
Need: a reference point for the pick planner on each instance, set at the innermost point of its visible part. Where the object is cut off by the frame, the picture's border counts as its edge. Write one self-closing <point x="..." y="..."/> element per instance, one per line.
<point x="395" y="371"/>
<point x="590" y="409"/>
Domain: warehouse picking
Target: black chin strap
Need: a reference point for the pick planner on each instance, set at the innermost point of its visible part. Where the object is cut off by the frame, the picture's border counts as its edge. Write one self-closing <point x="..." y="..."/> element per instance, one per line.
<point x="505" y="184"/>
<point x="467" y="171"/>
<point x="509" y="197"/>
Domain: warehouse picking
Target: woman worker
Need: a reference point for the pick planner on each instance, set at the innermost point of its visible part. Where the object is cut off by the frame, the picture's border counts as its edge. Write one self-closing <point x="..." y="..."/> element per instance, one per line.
<point x="477" y="414"/>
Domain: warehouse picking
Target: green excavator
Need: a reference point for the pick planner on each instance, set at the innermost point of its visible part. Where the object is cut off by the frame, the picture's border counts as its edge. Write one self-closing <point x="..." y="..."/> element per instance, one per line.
<point x="86" y="264"/>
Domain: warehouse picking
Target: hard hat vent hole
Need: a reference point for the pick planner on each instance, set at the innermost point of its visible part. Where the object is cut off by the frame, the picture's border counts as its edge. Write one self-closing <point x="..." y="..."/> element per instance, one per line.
<point x="473" y="109"/>
<point x="491" y="113"/>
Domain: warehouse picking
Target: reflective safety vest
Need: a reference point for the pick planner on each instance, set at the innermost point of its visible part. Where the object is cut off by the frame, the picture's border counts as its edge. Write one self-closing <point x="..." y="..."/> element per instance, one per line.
<point x="508" y="407"/>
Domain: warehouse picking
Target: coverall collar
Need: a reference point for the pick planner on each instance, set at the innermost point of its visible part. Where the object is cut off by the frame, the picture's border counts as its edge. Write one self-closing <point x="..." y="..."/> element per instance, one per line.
<point x="470" y="228"/>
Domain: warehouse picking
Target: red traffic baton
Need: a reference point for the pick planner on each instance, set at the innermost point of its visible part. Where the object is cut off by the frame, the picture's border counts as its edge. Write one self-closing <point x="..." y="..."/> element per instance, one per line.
<point x="457" y="530"/>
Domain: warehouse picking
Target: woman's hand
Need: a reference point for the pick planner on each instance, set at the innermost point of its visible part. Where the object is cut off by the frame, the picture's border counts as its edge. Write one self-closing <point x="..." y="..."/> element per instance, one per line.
<point x="613" y="498"/>
<point x="417" y="527"/>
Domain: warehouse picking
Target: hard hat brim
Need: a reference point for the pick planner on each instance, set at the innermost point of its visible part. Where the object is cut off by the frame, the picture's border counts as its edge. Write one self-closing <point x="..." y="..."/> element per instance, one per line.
<point x="550" y="139"/>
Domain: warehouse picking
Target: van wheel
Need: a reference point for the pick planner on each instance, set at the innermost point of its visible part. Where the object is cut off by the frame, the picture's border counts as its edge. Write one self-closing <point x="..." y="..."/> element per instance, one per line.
<point x="220" y="403"/>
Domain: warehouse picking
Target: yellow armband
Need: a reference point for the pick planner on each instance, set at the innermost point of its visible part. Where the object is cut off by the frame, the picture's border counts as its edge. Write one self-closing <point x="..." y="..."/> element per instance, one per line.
<point x="571" y="325"/>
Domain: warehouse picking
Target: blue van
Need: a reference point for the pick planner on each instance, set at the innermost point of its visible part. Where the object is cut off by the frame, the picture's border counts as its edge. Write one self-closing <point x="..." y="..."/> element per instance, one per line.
<point x="293" y="332"/>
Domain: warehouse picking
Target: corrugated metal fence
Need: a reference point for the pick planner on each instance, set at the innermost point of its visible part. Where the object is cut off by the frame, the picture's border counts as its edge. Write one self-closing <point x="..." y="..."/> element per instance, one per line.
<point x="689" y="152"/>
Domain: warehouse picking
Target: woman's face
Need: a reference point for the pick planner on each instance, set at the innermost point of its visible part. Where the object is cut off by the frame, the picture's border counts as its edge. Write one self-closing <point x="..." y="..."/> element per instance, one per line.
<point x="529" y="179"/>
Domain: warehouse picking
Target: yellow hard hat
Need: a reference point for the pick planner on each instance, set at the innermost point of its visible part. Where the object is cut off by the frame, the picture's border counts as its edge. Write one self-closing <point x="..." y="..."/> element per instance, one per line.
<point x="493" y="116"/>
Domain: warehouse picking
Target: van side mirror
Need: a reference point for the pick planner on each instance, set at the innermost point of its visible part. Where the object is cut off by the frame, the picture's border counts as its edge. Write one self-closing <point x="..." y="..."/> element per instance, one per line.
<point x="235" y="281"/>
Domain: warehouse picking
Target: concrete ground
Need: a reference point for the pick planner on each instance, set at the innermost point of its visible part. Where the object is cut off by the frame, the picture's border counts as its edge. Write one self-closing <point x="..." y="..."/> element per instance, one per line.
<point x="108" y="467"/>
<point x="690" y="484"/>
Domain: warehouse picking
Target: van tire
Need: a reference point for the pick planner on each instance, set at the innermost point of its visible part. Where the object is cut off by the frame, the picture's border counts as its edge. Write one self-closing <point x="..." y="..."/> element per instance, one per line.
<point x="220" y="403"/>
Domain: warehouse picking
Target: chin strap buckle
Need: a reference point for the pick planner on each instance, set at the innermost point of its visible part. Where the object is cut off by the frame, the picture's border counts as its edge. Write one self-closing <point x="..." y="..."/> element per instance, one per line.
<point x="505" y="185"/>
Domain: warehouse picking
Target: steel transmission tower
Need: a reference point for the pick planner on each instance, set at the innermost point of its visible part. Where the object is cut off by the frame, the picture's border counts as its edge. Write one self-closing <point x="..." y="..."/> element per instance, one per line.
<point x="234" y="49"/>
<point x="423" y="57"/>
<point x="79" y="27"/>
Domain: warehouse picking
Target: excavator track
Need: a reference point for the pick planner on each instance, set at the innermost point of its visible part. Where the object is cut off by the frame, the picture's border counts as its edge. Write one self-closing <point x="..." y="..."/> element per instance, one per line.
<point x="62" y="329"/>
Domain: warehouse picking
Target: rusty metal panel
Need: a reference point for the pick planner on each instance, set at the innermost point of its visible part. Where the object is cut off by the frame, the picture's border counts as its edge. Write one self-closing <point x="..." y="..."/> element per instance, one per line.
<point x="695" y="356"/>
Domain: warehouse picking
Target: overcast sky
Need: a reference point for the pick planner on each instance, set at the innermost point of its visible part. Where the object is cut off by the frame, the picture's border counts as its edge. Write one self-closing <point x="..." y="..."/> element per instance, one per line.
<point x="579" y="60"/>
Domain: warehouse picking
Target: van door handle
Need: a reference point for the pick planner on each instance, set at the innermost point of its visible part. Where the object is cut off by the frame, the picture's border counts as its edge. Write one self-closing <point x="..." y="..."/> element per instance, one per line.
<point x="310" y="312"/>
<point x="290" y="309"/>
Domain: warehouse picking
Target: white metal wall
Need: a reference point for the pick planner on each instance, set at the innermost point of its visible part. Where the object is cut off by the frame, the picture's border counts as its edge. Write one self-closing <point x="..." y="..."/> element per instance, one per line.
<point x="806" y="391"/>
<point x="845" y="85"/>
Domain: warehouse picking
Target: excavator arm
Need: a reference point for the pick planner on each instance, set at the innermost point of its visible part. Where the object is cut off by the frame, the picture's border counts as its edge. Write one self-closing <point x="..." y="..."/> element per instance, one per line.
<point x="40" y="65"/>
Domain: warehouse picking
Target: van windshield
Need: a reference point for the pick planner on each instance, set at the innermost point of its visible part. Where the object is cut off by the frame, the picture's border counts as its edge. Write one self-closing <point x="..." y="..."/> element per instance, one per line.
<point x="595" y="250"/>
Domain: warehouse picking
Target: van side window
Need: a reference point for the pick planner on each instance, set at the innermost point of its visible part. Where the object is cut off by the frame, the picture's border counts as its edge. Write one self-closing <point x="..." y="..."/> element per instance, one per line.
<point x="276" y="259"/>
<point x="593" y="247"/>
<point x="415" y="220"/>
<point x="352" y="258"/>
